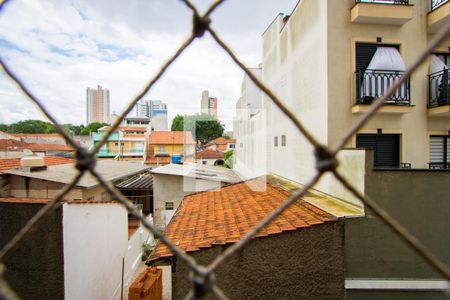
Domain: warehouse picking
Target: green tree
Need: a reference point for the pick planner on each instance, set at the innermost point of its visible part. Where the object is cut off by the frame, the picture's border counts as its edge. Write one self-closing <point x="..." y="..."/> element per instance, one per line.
<point x="4" y="127"/>
<point x="228" y="159"/>
<point x="31" y="126"/>
<point x="92" y="127"/>
<point x="203" y="126"/>
<point x="178" y="123"/>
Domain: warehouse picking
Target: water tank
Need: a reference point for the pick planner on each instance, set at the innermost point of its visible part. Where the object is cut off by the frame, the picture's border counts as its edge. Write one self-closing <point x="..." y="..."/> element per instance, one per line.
<point x="32" y="161"/>
<point x="176" y="159"/>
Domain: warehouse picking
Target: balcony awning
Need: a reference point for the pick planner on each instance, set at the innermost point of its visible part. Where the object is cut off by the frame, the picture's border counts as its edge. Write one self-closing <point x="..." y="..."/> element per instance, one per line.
<point x="387" y="59"/>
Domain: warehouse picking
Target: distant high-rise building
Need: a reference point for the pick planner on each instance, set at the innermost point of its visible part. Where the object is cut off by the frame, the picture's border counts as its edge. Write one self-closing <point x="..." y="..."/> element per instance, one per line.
<point x="156" y="111"/>
<point x="97" y="105"/>
<point x="208" y="104"/>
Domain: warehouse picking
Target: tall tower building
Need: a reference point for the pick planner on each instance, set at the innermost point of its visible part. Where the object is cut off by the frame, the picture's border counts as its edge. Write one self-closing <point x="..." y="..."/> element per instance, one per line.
<point x="208" y="104"/>
<point x="97" y="105"/>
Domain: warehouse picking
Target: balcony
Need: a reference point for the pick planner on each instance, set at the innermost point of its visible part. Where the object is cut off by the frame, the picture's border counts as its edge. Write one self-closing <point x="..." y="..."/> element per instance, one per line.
<point x="391" y="12"/>
<point x="372" y="84"/>
<point x="439" y="14"/>
<point x="439" y="94"/>
<point x="439" y="165"/>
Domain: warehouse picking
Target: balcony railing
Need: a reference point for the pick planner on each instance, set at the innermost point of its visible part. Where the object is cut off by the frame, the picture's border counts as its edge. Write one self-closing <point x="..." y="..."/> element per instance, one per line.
<point x="439" y="165"/>
<point x="371" y="84"/>
<point x="436" y="3"/>
<point x="438" y="88"/>
<point x="401" y="2"/>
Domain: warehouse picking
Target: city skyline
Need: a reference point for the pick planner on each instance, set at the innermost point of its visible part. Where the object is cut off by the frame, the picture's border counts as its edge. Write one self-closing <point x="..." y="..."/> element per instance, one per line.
<point x="76" y="44"/>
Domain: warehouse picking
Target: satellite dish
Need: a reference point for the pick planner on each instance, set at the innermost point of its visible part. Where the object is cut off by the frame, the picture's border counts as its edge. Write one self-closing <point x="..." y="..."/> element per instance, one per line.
<point x="28" y="152"/>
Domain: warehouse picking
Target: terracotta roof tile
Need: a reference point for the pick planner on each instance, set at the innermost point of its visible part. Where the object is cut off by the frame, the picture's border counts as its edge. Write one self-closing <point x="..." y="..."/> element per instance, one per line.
<point x="218" y="217"/>
<point x="7" y="164"/>
<point x="171" y="137"/>
<point x="25" y="200"/>
<point x="222" y="141"/>
<point x="209" y="153"/>
<point x="13" y="145"/>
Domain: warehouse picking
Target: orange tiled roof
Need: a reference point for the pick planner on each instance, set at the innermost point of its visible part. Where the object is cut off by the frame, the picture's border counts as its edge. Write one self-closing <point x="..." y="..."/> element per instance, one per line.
<point x="171" y="137"/>
<point x="222" y="141"/>
<point x="7" y="164"/>
<point x="11" y="145"/>
<point x="209" y="153"/>
<point x="219" y="217"/>
<point x="25" y="200"/>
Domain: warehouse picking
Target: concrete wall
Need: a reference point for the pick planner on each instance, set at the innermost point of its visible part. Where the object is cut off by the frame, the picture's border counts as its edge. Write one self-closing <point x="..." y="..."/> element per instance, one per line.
<point x="11" y="154"/>
<point x="39" y="188"/>
<point x="35" y="270"/>
<point x="418" y="199"/>
<point x="133" y="256"/>
<point x="95" y="242"/>
<point x="295" y="68"/>
<point x="304" y="264"/>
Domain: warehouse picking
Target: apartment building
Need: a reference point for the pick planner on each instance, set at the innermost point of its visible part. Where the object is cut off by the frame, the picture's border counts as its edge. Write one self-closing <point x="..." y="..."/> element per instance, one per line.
<point x="97" y="105"/>
<point x="126" y="142"/>
<point x="208" y="104"/>
<point x="328" y="61"/>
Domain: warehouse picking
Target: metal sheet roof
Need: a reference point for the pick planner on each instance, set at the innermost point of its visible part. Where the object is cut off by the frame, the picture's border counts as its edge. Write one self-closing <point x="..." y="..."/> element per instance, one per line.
<point x="139" y="181"/>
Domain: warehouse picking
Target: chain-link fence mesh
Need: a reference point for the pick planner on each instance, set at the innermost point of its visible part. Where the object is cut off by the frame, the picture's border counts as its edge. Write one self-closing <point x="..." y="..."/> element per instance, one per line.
<point x="202" y="277"/>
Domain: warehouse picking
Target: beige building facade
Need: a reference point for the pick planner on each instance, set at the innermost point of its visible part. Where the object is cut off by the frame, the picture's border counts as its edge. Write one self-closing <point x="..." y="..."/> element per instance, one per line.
<point x="312" y="60"/>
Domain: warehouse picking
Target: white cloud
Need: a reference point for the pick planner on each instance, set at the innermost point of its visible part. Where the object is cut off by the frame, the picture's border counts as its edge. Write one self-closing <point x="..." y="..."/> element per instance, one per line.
<point x="59" y="48"/>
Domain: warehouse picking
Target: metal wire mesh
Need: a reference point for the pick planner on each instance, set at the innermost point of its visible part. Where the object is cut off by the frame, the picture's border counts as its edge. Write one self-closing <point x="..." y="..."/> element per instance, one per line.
<point x="202" y="277"/>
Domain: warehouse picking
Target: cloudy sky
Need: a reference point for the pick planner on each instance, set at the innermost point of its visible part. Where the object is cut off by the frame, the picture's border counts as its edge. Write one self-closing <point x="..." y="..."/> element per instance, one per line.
<point x="61" y="47"/>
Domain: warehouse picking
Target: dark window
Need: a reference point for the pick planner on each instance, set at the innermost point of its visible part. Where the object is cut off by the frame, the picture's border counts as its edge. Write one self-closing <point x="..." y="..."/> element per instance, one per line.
<point x="439" y="152"/>
<point x="169" y="205"/>
<point x="283" y="140"/>
<point x="275" y="141"/>
<point x="364" y="53"/>
<point x="386" y="148"/>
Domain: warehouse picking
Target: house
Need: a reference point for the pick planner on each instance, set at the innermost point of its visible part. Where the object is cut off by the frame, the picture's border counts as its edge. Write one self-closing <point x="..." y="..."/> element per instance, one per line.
<point x="125" y="142"/>
<point x="164" y="147"/>
<point x="83" y="250"/>
<point x="16" y="149"/>
<point x="221" y="144"/>
<point x="89" y="234"/>
<point x="7" y="164"/>
<point x="299" y="255"/>
<point x="35" y="180"/>
<point x="173" y="181"/>
<point x="210" y="157"/>
<point x="328" y="61"/>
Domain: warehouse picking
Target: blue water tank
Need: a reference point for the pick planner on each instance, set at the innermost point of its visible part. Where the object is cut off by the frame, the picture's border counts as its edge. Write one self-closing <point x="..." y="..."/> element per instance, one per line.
<point x="176" y="159"/>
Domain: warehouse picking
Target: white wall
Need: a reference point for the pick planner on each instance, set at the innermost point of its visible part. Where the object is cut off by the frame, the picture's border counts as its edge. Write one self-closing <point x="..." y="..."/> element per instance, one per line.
<point x="134" y="252"/>
<point x="95" y="242"/>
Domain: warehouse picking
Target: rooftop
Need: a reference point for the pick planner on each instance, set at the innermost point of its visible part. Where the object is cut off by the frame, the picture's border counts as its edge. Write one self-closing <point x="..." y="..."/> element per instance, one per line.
<point x="138" y="181"/>
<point x="221" y="141"/>
<point x="209" y="153"/>
<point x="10" y="163"/>
<point x="13" y="145"/>
<point x="25" y="200"/>
<point x="199" y="172"/>
<point x="111" y="170"/>
<point x="220" y="217"/>
<point x="171" y="137"/>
